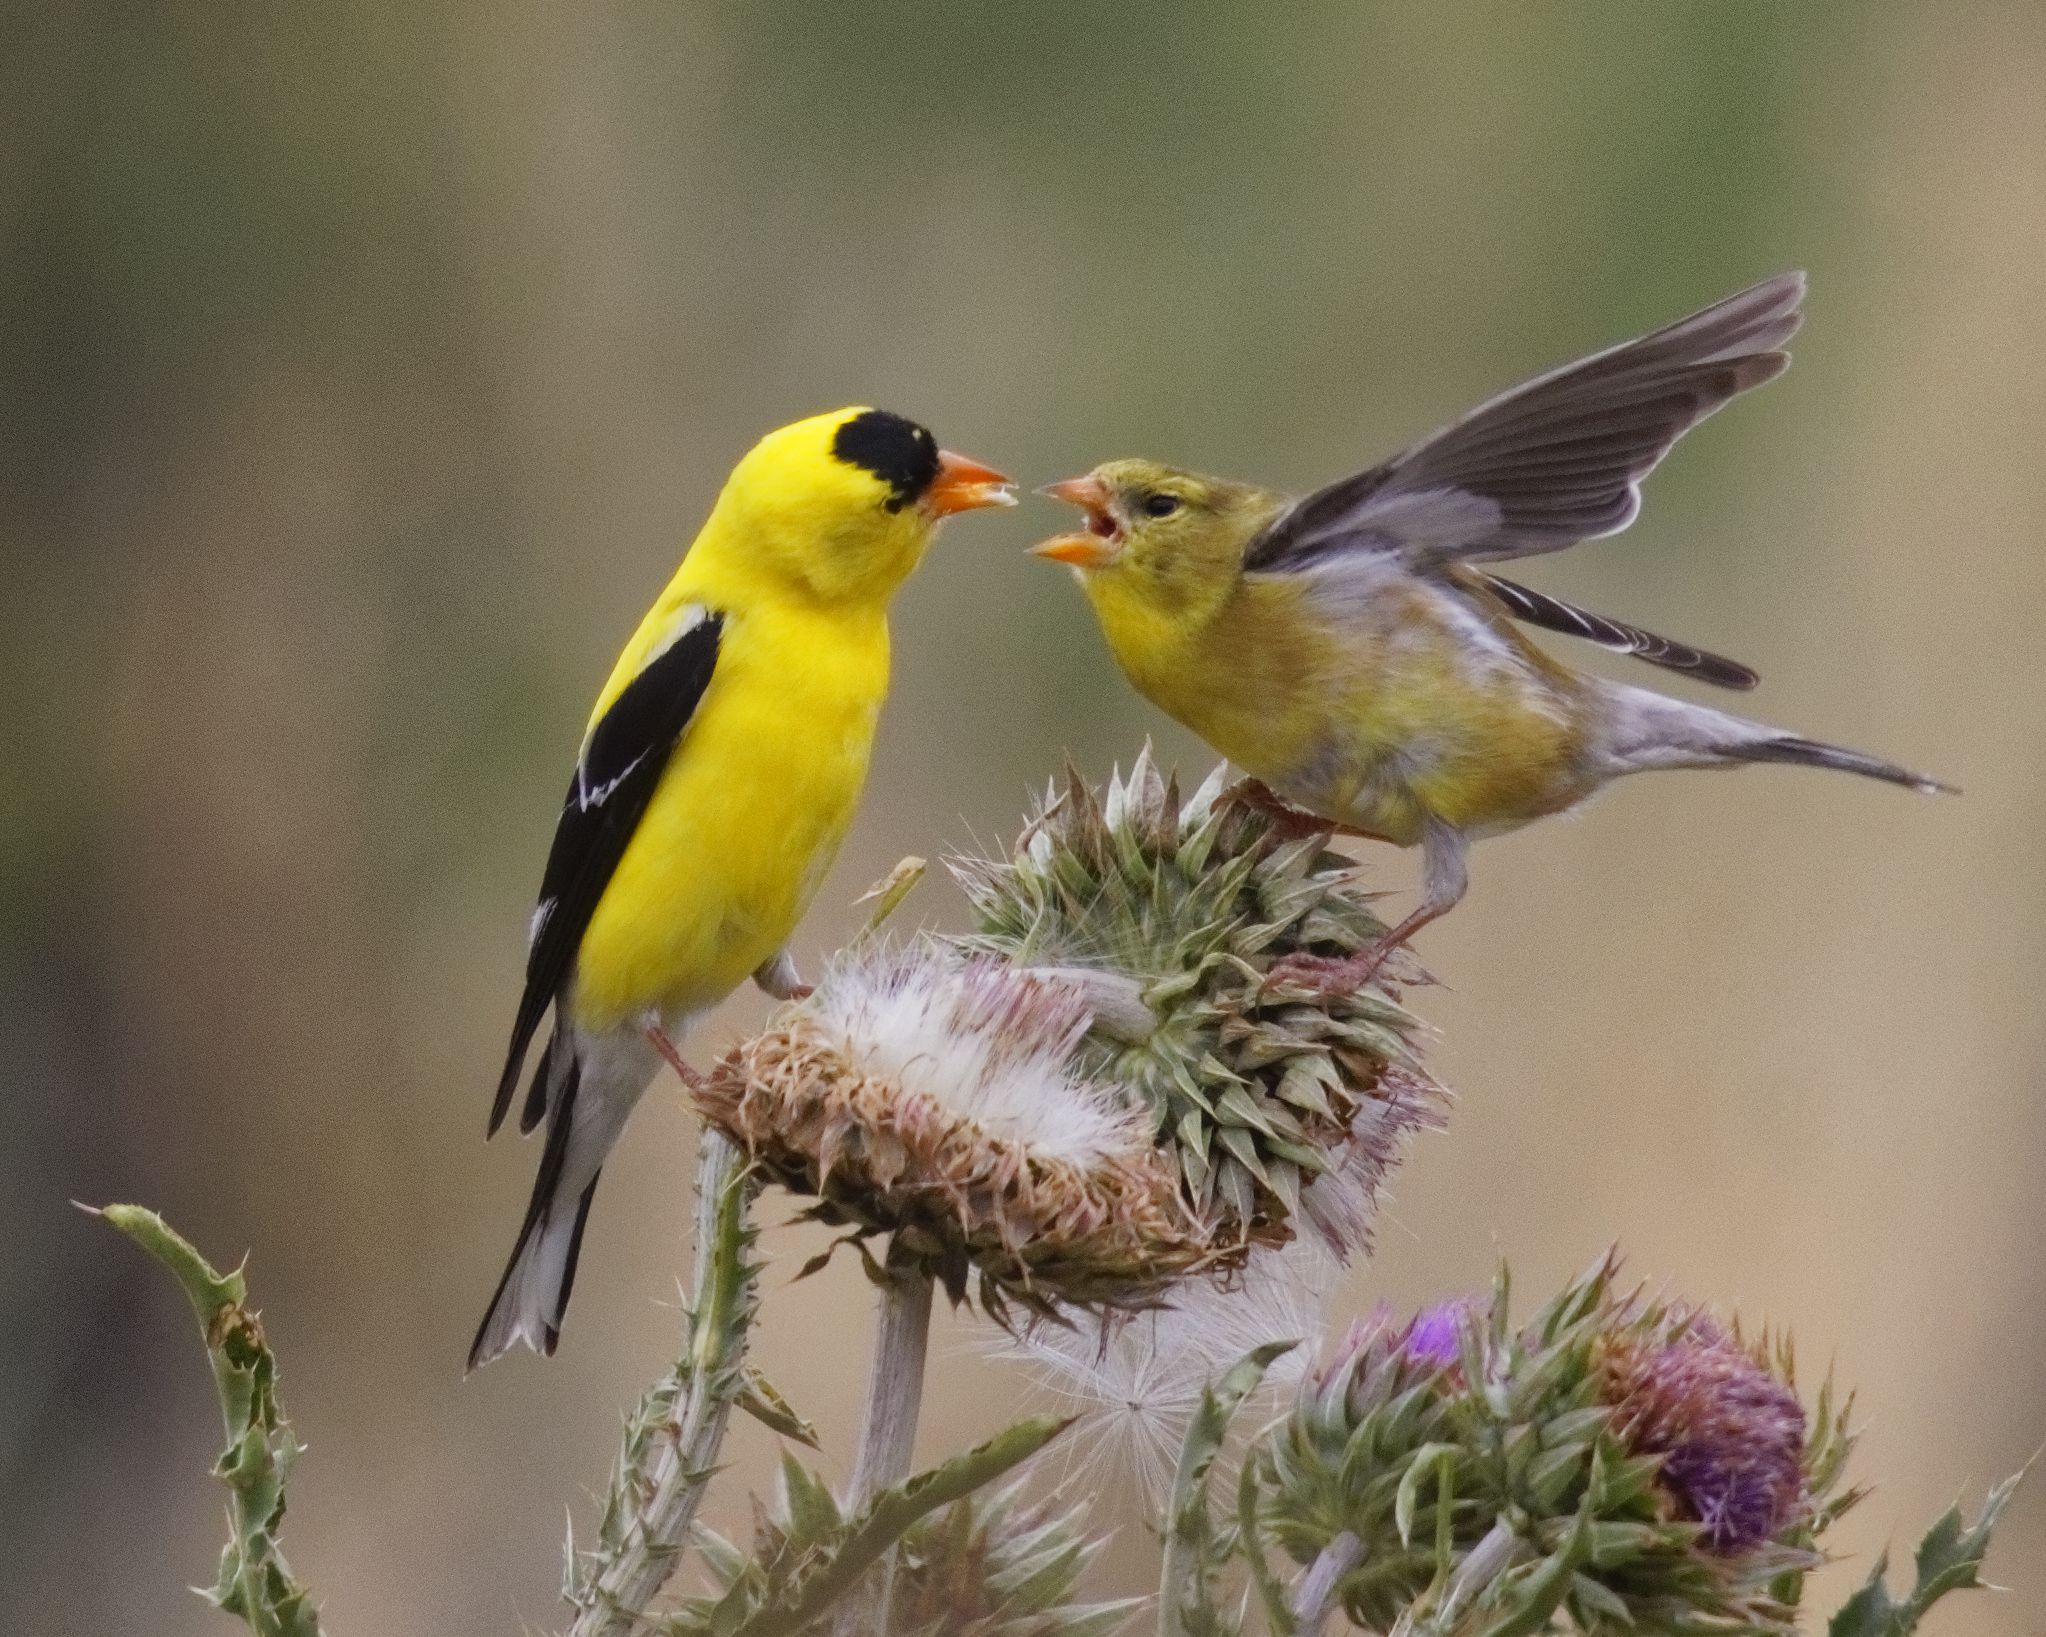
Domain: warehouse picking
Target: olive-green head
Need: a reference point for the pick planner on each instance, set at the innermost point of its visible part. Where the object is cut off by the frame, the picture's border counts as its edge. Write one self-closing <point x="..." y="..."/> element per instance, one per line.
<point x="1173" y="539"/>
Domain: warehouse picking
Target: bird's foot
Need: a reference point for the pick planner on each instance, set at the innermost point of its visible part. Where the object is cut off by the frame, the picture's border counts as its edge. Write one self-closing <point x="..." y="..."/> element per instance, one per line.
<point x="657" y="1037"/>
<point x="777" y="977"/>
<point x="1328" y="975"/>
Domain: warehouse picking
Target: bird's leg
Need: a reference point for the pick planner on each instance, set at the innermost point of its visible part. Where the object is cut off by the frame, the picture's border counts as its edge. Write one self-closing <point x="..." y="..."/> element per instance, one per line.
<point x="777" y="976"/>
<point x="657" y="1037"/>
<point x="1444" y="876"/>
<point x="1288" y="823"/>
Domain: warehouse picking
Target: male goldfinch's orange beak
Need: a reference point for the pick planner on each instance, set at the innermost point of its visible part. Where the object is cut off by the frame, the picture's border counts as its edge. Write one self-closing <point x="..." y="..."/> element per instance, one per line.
<point x="1097" y="548"/>
<point x="964" y="485"/>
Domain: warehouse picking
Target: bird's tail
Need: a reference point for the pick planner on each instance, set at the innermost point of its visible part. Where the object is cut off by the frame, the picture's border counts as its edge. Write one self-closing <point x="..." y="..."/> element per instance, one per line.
<point x="1788" y="747"/>
<point x="1649" y="730"/>
<point x="533" y="1293"/>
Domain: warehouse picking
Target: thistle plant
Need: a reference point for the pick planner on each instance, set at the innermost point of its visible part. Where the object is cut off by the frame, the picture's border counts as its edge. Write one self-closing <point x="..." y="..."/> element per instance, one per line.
<point x="254" y="1582"/>
<point x="1096" y="1118"/>
<point x="671" y="1439"/>
<point x="1625" y="1463"/>
<point x="1002" y="1565"/>
<point x="1274" y="1104"/>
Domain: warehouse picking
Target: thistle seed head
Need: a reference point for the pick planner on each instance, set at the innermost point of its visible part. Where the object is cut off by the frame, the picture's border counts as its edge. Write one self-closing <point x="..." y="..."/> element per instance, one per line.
<point x="936" y="1097"/>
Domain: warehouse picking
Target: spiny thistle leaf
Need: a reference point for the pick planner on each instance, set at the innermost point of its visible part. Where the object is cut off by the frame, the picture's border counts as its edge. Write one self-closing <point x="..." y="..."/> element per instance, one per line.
<point x="810" y="1557"/>
<point x="1948" y="1559"/>
<point x="255" y="1583"/>
<point x="1193" y="1551"/>
<point x="762" y="1400"/>
<point x="1273" y="1102"/>
<point x="997" y="1568"/>
<point x="887" y="894"/>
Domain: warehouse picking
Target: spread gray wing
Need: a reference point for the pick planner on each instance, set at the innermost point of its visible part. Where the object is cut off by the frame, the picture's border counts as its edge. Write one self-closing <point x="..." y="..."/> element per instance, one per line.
<point x="1556" y="460"/>
<point x="615" y="777"/>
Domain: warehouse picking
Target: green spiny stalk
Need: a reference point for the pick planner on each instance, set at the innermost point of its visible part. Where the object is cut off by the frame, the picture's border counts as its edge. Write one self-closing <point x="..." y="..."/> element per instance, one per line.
<point x="671" y="1442"/>
<point x="255" y="1583"/>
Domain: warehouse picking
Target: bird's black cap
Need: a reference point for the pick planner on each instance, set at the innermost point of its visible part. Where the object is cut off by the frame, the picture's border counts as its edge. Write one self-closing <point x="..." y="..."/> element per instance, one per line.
<point x="895" y="449"/>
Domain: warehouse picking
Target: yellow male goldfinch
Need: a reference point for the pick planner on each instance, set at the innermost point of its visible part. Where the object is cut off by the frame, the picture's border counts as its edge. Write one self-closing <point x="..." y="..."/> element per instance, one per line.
<point x="716" y="778"/>
<point x="1349" y="653"/>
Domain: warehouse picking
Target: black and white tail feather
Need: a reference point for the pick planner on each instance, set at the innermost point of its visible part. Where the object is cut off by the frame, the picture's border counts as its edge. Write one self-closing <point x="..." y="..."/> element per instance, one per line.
<point x="533" y="1289"/>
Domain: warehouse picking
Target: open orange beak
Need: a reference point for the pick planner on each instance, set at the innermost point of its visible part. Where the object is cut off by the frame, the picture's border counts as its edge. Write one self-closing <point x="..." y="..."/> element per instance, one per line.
<point x="1096" y="548"/>
<point x="964" y="485"/>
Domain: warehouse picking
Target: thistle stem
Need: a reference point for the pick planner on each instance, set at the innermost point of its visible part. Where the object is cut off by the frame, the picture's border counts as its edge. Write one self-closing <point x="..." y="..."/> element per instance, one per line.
<point x="1314" y="1597"/>
<point x="895" y="1394"/>
<point x="672" y="1442"/>
<point x="895" y="1385"/>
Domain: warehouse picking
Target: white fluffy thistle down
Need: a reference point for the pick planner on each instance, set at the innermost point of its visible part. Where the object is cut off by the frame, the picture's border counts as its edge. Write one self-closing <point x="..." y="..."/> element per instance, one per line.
<point x="986" y="1042"/>
<point x="940" y="1097"/>
<point x="1137" y="1378"/>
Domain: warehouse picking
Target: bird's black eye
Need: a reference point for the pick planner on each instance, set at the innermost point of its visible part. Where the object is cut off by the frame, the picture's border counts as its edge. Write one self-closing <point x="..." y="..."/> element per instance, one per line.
<point x="1159" y="504"/>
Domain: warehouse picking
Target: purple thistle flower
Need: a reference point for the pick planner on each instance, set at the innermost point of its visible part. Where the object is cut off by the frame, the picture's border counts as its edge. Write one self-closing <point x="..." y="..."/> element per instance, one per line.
<point x="1730" y="1434"/>
<point x="1436" y="1333"/>
<point x="1377" y="1343"/>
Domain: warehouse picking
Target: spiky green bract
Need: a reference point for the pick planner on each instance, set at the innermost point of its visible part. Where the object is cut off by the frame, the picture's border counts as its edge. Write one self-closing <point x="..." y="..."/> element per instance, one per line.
<point x="810" y="1557"/>
<point x="1949" y="1559"/>
<point x="670" y="1447"/>
<point x="1195" y="1548"/>
<point x="1000" y="1567"/>
<point x="1497" y="1492"/>
<point x="254" y="1583"/>
<point x="1272" y="1101"/>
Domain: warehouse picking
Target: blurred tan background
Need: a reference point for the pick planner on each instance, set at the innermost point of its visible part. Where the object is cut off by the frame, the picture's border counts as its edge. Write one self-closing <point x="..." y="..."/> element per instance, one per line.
<point x="364" y="367"/>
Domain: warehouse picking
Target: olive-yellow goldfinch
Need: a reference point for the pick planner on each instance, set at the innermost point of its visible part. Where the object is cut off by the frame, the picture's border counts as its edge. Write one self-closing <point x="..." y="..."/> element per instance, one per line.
<point x="1348" y="652"/>
<point x="716" y="778"/>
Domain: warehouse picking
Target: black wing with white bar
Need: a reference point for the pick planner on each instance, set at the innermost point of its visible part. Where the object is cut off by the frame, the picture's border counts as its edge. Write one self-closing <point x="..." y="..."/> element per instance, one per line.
<point x="615" y="777"/>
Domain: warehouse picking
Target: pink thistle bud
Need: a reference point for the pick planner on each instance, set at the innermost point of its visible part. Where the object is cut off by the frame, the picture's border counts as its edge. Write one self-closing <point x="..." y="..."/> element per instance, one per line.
<point x="1436" y="1333"/>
